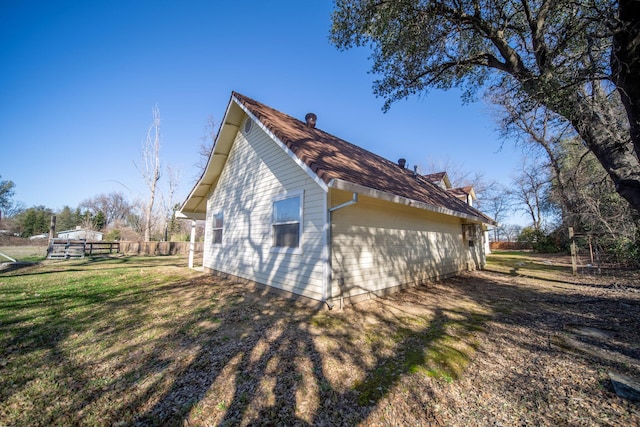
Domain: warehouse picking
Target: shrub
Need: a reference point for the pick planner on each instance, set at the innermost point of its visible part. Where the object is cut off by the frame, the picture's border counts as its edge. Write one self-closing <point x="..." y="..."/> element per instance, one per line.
<point x="538" y="240"/>
<point x="112" y="235"/>
<point x="625" y="251"/>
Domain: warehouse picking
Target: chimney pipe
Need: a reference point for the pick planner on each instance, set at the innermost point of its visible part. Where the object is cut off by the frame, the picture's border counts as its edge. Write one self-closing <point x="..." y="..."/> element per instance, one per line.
<point x="402" y="162"/>
<point x="311" y="118"/>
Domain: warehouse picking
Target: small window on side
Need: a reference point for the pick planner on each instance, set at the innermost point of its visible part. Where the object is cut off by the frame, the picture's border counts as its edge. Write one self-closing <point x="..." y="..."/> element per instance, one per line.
<point x="216" y="229"/>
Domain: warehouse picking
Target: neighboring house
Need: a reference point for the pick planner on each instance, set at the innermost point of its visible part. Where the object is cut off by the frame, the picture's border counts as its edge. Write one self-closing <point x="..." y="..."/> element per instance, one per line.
<point x="39" y="236"/>
<point x="80" y="233"/>
<point x="293" y="207"/>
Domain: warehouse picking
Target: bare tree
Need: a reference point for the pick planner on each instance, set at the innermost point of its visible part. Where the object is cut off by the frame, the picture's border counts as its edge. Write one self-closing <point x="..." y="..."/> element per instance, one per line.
<point x="580" y="187"/>
<point x="114" y="206"/>
<point x="511" y="231"/>
<point x="150" y="168"/>
<point x="496" y="202"/>
<point x="529" y="191"/>
<point x="595" y="206"/>
<point x="457" y="173"/>
<point x="87" y="222"/>
<point x="206" y="147"/>
<point x="168" y="197"/>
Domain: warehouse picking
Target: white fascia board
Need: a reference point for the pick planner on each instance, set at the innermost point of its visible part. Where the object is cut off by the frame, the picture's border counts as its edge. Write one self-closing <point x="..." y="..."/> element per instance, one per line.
<point x="190" y="215"/>
<point x="211" y="156"/>
<point x="284" y="147"/>
<point x="382" y="195"/>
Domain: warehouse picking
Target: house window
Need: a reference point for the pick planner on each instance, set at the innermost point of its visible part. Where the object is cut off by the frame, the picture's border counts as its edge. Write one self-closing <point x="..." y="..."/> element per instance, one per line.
<point x="216" y="230"/>
<point x="286" y="222"/>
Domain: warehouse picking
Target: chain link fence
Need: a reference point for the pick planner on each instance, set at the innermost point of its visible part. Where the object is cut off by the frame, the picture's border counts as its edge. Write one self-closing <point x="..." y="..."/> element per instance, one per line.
<point x="597" y="255"/>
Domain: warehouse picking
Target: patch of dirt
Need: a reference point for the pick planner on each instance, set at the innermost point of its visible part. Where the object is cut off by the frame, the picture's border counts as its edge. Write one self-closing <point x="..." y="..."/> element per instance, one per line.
<point x="296" y="367"/>
<point x="519" y="376"/>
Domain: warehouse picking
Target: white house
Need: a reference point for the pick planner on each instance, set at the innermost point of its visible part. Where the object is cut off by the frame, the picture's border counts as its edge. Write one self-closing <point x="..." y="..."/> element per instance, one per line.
<point x="80" y="233"/>
<point x="290" y="206"/>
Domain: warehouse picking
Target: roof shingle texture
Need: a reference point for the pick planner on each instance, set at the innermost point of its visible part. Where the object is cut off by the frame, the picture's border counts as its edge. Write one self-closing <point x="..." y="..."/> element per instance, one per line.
<point x="333" y="158"/>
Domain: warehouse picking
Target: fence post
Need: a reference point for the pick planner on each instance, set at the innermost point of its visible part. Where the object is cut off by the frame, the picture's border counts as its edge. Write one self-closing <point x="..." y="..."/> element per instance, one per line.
<point x="52" y="227"/>
<point x="574" y="255"/>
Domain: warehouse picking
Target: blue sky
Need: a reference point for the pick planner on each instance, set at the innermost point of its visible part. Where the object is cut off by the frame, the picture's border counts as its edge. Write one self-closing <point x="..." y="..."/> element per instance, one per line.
<point x="79" y="79"/>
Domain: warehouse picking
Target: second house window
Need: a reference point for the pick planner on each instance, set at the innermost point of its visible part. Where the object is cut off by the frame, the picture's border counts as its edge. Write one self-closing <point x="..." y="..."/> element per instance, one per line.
<point x="286" y="221"/>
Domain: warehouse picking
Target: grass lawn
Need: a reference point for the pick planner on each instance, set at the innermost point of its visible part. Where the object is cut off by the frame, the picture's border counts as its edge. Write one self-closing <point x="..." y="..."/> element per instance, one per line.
<point x="146" y="341"/>
<point x="24" y="253"/>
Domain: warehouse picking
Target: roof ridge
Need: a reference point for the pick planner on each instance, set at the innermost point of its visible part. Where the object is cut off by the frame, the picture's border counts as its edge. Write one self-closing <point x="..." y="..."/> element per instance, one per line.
<point x="331" y="157"/>
<point x="315" y="129"/>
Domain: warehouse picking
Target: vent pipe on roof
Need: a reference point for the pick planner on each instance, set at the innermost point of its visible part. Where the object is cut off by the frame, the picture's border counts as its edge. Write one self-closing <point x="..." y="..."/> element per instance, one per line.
<point x="311" y="118"/>
<point x="402" y="162"/>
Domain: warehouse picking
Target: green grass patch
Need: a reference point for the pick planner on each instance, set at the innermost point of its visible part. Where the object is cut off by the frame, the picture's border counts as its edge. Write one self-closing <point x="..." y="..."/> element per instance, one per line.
<point x="325" y="320"/>
<point x="66" y="327"/>
<point x="528" y="264"/>
<point x="24" y="253"/>
<point x="440" y="348"/>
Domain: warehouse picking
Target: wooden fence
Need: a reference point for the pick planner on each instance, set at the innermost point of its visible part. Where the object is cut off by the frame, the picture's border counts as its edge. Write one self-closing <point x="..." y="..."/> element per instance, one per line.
<point x="94" y="248"/>
<point x="508" y="246"/>
<point x="70" y="248"/>
<point x="159" y="248"/>
<point x="66" y="248"/>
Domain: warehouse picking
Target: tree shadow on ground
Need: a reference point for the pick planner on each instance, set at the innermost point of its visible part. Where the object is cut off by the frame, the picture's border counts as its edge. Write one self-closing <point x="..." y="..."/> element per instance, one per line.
<point x="238" y="355"/>
<point x="266" y="368"/>
<point x="280" y="375"/>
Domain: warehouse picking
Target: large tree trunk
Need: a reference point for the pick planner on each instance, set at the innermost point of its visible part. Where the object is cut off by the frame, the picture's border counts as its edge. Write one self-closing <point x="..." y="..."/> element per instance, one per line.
<point x="622" y="162"/>
<point x="625" y="64"/>
<point x="596" y="124"/>
<point x="148" y="213"/>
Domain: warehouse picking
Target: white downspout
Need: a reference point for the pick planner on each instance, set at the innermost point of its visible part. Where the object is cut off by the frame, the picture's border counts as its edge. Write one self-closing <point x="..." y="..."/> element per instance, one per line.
<point x="353" y="201"/>
<point x="326" y="296"/>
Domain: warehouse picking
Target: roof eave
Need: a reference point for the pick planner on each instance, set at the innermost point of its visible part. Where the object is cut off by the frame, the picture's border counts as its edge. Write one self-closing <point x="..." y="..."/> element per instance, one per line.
<point x="340" y="184"/>
<point x="195" y="205"/>
<point x="191" y="215"/>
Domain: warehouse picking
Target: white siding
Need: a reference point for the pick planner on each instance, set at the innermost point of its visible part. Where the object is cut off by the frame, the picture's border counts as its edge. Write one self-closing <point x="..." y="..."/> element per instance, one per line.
<point x="257" y="170"/>
<point x="378" y="245"/>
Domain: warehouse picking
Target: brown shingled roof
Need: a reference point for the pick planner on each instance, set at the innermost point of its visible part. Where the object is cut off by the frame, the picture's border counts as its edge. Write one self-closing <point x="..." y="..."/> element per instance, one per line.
<point x="435" y="177"/>
<point x="333" y="158"/>
<point x="461" y="191"/>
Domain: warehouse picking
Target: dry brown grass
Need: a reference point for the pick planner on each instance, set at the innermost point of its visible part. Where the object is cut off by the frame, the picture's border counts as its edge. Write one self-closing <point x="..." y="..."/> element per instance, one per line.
<point x="147" y="342"/>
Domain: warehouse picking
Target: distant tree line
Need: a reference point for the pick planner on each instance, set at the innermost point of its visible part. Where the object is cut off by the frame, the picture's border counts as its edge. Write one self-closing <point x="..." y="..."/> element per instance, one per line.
<point x="112" y="213"/>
